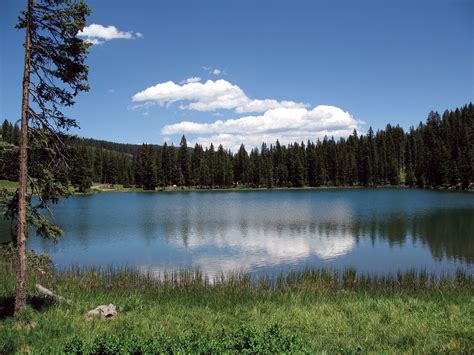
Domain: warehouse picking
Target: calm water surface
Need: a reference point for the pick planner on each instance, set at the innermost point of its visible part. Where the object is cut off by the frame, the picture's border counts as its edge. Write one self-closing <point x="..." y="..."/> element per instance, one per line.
<point x="265" y="232"/>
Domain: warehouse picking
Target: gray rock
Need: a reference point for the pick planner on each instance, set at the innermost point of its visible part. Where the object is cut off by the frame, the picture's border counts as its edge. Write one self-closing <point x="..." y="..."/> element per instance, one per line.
<point x="103" y="311"/>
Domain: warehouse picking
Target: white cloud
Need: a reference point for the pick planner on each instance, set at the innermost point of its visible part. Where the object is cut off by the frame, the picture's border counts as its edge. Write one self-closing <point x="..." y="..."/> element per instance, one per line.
<point x="98" y="34"/>
<point x="193" y="79"/>
<point x="266" y="121"/>
<point x="267" y="104"/>
<point x="216" y="71"/>
<point x="288" y="125"/>
<point x="209" y="96"/>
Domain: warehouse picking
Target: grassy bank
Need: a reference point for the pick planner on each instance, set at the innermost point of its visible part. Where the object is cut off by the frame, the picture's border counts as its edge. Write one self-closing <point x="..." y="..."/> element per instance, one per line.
<point x="314" y="310"/>
<point x="8" y="185"/>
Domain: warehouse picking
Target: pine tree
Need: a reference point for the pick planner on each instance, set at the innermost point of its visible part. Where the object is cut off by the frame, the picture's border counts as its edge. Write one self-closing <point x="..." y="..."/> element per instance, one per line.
<point x="176" y="176"/>
<point x="267" y="166"/>
<point x="184" y="161"/>
<point x="220" y="166"/>
<point x="365" y="166"/>
<point x="148" y="167"/>
<point x="204" y="174"/>
<point x="160" y="174"/>
<point x="241" y="166"/>
<point x="15" y="135"/>
<point x="98" y="166"/>
<point x="6" y="131"/>
<point x="196" y="158"/>
<point x="8" y="162"/>
<point x="80" y="169"/>
<point x="166" y="165"/>
<point x="54" y="73"/>
<point x="255" y="167"/>
<point x="229" y="170"/>
<point x="437" y="155"/>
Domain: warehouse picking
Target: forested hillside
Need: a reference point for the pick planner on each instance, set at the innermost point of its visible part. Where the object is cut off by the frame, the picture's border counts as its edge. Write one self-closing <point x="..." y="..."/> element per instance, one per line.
<point x="437" y="153"/>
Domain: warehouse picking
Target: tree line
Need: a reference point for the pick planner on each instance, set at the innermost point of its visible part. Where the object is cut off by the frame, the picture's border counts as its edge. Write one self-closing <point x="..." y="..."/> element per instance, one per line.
<point x="437" y="153"/>
<point x="10" y="133"/>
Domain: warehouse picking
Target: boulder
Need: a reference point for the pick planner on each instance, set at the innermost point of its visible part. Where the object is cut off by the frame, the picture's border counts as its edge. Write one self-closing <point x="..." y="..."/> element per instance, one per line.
<point x="103" y="311"/>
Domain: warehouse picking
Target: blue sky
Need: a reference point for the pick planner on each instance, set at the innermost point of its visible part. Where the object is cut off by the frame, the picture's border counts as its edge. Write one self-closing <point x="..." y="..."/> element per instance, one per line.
<point x="288" y="69"/>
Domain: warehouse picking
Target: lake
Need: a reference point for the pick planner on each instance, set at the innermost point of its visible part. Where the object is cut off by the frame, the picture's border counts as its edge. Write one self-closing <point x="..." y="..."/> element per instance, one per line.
<point x="267" y="231"/>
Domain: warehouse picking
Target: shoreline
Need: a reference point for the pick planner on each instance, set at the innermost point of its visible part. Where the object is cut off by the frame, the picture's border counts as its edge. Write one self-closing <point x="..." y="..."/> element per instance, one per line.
<point x="309" y="311"/>
<point x="10" y="186"/>
<point x="101" y="188"/>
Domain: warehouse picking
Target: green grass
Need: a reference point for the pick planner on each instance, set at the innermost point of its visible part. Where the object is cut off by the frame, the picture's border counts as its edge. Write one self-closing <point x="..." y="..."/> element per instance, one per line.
<point x="316" y="310"/>
<point x="8" y="185"/>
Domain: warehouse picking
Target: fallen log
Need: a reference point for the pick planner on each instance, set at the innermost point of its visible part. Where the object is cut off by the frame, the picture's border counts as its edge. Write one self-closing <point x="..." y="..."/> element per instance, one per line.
<point x="51" y="294"/>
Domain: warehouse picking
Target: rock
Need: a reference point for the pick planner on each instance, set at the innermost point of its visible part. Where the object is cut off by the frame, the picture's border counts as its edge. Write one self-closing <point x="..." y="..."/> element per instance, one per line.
<point x="104" y="311"/>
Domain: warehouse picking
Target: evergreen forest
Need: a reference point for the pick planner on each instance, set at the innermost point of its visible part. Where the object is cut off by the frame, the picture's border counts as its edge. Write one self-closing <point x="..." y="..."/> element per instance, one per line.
<point x="438" y="153"/>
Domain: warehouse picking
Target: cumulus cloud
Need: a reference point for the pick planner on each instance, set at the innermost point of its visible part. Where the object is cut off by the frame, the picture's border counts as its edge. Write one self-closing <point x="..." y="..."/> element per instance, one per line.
<point x="267" y="104"/>
<point x="285" y="124"/>
<point x="261" y="120"/>
<point x="209" y="96"/>
<point x="98" y="34"/>
<point x="216" y="71"/>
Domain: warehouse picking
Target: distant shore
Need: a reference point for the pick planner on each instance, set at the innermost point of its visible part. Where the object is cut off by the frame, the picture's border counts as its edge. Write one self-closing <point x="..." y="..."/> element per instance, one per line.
<point x="97" y="188"/>
<point x="100" y="188"/>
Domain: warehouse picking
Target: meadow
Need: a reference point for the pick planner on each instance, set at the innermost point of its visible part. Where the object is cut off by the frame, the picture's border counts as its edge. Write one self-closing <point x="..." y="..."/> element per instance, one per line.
<point x="312" y="311"/>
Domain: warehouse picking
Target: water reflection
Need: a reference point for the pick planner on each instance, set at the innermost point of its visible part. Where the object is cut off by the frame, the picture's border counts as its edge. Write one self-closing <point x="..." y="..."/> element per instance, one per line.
<point x="374" y="230"/>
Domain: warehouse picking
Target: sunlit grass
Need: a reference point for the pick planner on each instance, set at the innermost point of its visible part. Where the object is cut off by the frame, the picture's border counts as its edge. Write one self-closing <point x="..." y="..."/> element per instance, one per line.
<point x="326" y="310"/>
<point x="8" y="185"/>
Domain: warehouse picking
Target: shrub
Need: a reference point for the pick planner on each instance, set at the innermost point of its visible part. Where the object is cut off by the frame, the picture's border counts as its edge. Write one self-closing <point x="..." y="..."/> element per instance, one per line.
<point x="243" y="340"/>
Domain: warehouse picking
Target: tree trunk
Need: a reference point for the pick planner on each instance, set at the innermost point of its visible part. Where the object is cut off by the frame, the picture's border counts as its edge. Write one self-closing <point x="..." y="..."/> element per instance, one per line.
<point x="20" y="295"/>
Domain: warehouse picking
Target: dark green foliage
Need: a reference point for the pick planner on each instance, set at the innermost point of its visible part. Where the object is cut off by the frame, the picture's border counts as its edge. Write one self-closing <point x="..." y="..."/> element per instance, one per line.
<point x="33" y="260"/>
<point x="80" y="168"/>
<point x="184" y="162"/>
<point x="145" y="168"/>
<point x="241" y="166"/>
<point x="6" y="129"/>
<point x="10" y="133"/>
<point x="242" y="340"/>
<point x="436" y="154"/>
<point x="127" y="149"/>
<point x="439" y="153"/>
<point x="57" y="54"/>
<point x="57" y="74"/>
<point x="8" y="162"/>
<point x="410" y="179"/>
